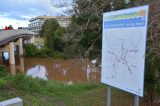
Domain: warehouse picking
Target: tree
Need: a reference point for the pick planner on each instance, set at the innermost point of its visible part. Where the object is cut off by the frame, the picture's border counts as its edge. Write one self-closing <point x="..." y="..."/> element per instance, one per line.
<point x="8" y="27"/>
<point x="152" y="73"/>
<point x="58" y="39"/>
<point x="86" y="25"/>
<point x="86" y="29"/>
<point x="52" y="33"/>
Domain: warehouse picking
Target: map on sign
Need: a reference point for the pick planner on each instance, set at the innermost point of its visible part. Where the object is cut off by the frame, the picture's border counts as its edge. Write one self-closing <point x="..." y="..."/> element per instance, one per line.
<point x="124" y="54"/>
<point x="123" y="49"/>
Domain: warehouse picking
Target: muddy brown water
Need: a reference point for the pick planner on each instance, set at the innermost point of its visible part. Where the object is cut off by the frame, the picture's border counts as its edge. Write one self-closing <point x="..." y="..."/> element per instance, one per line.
<point x="69" y="70"/>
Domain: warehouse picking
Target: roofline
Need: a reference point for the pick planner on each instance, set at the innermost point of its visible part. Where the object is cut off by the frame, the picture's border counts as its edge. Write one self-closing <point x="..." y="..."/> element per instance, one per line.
<point x="9" y="39"/>
<point x="47" y="17"/>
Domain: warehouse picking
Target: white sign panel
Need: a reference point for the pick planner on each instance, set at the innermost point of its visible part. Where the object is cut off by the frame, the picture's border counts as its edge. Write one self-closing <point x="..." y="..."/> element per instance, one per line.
<point x="123" y="49"/>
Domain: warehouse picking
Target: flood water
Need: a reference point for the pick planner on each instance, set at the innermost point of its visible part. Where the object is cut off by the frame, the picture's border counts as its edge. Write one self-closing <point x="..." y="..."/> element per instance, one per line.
<point x="69" y="70"/>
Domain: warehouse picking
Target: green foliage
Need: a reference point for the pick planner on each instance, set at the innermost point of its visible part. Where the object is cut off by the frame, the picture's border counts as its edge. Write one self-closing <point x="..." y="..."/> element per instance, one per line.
<point x="152" y="67"/>
<point x="53" y="35"/>
<point x="43" y="53"/>
<point x="10" y="27"/>
<point x="2" y="82"/>
<point x="3" y="71"/>
<point x="30" y="50"/>
<point x="59" y="55"/>
<point x="85" y="31"/>
<point x="49" y="27"/>
<point x="39" y="92"/>
<point x="58" y="34"/>
<point x="57" y="89"/>
<point x="152" y="77"/>
<point x="25" y="83"/>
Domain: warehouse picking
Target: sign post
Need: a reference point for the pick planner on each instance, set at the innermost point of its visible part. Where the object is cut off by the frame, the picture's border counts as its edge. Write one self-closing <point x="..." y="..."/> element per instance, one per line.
<point x="136" y="100"/>
<point x="123" y="50"/>
<point x="109" y="96"/>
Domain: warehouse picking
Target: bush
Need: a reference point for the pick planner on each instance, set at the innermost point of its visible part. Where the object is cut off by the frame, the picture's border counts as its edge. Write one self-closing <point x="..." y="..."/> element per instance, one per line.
<point x="3" y="71"/>
<point x="31" y="50"/>
<point x="42" y="53"/>
<point x="57" y="54"/>
<point x="26" y="83"/>
<point x="2" y="82"/>
<point x="152" y="78"/>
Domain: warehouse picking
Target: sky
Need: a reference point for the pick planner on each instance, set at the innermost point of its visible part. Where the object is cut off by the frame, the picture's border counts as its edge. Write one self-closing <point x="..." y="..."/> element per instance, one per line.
<point x="18" y="12"/>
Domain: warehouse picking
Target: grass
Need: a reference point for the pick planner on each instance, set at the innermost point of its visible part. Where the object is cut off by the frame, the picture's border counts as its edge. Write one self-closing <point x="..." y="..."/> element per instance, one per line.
<point x="36" y="92"/>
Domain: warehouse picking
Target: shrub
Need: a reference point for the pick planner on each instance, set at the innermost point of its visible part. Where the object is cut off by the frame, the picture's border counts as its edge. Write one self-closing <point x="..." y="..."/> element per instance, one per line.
<point x="152" y="78"/>
<point x="31" y="50"/>
<point x="26" y="83"/>
<point x="2" y="82"/>
<point x="57" y="54"/>
<point x="3" y="71"/>
<point x="42" y="53"/>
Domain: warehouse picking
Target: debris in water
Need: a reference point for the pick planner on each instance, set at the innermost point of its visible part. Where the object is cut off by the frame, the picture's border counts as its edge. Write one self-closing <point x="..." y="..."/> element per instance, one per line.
<point x="38" y="71"/>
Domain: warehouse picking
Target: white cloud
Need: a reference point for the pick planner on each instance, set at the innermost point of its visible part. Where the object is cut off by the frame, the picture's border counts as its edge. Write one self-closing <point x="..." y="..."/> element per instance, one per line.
<point x="28" y="7"/>
<point x="9" y="21"/>
<point x="15" y="11"/>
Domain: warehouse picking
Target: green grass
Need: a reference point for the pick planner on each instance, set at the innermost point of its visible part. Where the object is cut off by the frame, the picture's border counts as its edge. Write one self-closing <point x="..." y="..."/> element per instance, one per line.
<point x="36" y="92"/>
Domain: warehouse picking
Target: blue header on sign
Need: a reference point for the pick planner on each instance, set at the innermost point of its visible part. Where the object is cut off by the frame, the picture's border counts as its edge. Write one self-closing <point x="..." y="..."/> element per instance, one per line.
<point x="131" y="22"/>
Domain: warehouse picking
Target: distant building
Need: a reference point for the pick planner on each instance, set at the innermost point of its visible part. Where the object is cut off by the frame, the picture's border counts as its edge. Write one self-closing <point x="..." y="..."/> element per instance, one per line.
<point x="37" y="22"/>
<point x="25" y="28"/>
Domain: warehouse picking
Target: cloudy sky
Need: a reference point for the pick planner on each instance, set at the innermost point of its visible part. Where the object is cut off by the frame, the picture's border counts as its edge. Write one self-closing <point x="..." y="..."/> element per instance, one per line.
<point x="18" y="12"/>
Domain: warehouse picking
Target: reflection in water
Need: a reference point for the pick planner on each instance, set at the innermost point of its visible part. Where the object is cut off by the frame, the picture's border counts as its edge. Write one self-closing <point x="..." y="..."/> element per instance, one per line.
<point x="69" y="71"/>
<point x="91" y="72"/>
<point x="60" y="69"/>
<point x="12" y="69"/>
<point x="88" y="71"/>
<point x="38" y="71"/>
<point x="64" y="72"/>
<point x="22" y="64"/>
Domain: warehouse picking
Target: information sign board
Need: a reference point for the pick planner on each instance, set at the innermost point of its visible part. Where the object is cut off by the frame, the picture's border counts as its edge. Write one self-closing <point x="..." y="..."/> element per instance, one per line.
<point x="123" y="49"/>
